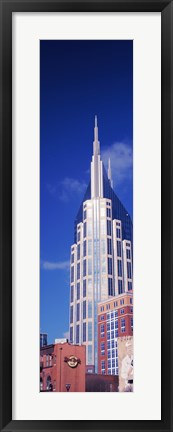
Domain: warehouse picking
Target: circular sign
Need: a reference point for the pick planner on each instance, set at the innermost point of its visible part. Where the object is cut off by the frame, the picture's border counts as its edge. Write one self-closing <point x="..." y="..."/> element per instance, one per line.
<point x="72" y="361"/>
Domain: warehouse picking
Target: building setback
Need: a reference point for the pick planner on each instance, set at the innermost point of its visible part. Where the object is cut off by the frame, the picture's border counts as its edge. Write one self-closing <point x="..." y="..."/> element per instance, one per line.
<point x="115" y="319"/>
<point x="101" y="255"/>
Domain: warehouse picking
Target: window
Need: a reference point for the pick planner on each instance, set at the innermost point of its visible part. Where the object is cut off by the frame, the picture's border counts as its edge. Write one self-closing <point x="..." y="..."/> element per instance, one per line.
<point x="122" y="311"/>
<point x="78" y="290"/>
<point x="103" y="367"/>
<point x="89" y="309"/>
<point x="102" y="309"/>
<point x="121" y="301"/>
<point x="78" y="251"/>
<point x="78" y="271"/>
<point x="90" y="331"/>
<point x="119" y="268"/>
<point x="78" y="236"/>
<point x="84" y="332"/>
<point x="118" y="248"/>
<point x="108" y="326"/>
<point x="84" y="288"/>
<point x="102" y="330"/>
<point x="89" y="266"/>
<point x="110" y="287"/>
<point x="116" y="324"/>
<point x="109" y="345"/>
<point x="129" y="270"/>
<point x="131" y="300"/>
<point x="72" y="258"/>
<point x="84" y="267"/>
<point x="72" y="274"/>
<point x="120" y="286"/>
<point x="84" y="229"/>
<point x="123" y="325"/>
<point x="84" y="309"/>
<point x="108" y="227"/>
<point x="131" y="323"/>
<point x="102" y="348"/>
<point x="84" y="248"/>
<point x="102" y="318"/>
<point x="84" y="214"/>
<point x="107" y="306"/>
<point x="71" y="314"/>
<point x="72" y="294"/>
<point x="128" y="256"/>
<point x="47" y="360"/>
<point x="77" y="334"/>
<point x="109" y="244"/>
<point x="127" y="244"/>
<point x="131" y="310"/>
<point x="71" y="334"/>
<point x="48" y="383"/>
<point x="110" y="266"/>
<point x="118" y="232"/>
<point x="90" y="354"/>
<point x="118" y="224"/>
<point x="78" y="311"/>
<point x="129" y="286"/>
<point x="108" y="212"/>
<point x="90" y="287"/>
<point x="115" y="303"/>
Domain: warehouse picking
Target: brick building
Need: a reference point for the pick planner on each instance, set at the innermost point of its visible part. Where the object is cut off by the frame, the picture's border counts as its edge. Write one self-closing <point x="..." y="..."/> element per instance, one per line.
<point x="115" y="319"/>
<point x="62" y="368"/>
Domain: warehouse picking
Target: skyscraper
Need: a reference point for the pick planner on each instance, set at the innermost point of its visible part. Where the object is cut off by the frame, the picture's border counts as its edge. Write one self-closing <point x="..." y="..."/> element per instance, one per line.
<point x="101" y="256"/>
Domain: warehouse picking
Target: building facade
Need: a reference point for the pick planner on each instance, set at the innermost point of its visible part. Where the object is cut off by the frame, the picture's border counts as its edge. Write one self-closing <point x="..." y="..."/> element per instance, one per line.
<point x="43" y="339"/>
<point x="62" y="368"/>
<point x="101" y="255"/>
<point x="115" y="320"/>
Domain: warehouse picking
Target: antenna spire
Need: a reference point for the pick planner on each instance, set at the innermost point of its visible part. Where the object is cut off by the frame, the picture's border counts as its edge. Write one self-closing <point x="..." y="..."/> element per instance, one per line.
<point x="96" y="144"/>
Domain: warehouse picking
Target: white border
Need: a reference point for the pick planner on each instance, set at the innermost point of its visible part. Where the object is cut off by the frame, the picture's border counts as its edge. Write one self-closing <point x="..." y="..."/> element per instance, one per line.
<point x="145" y="29"/>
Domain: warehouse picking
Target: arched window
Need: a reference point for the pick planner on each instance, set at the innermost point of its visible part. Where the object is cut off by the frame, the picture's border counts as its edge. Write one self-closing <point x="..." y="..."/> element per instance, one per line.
<point x="48" y="383"/>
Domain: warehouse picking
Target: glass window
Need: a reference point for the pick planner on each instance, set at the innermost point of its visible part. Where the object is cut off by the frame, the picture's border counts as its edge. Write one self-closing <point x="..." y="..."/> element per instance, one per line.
<point x="131" y="300"/>
<point x="108" y="227"/>
<point x="72" y="294"/>
<point x="77" y="334"/>
<point x="84" y="267"/>
<point x="89" y="309"/>
<point x="110" y="287"/>
<point x="128" y="253"/>
<point x="129" y="270"/>
<point x="130" y="287"/>
<point x="120" y="286"/>
<point x="84" y="229"/>
<point x="78" y="271"/>
<point x="103" y="365"/>
<point x="84" y="248"/>
<point x="71" y="314"/>
<point x="72" y="274"/>
<point x="118" y="248"/>
<point x="108" y="212"/>
<point x="84" y="288"/>
<point x="102" y="318"/>
<point x="110" y="266"/>
<point x="90" y="331"/>
<point x="123" y="325"/>
<point x="78" y="290"/>
<point x="90" y="293"/>
<point x="121" y="301"/>
<point x="109" y="244"/>
<point x="78" y="236"/>
<point x="108" y="326"/>
<point x="84" y="214"/>
<point x="84" y="309"/>
<point x="89" y="266"/>
<point x="78" y="311"/>
<point x="78" y="251"/>
<point x="71" y="334"/>
<point x="122" y="311"/>
<point x="84" y="332"/>
<point x="118" y="232"/>
<point x="102" y="348"/>
<point x="131" y="323"/>
<point x="119" y="268"/>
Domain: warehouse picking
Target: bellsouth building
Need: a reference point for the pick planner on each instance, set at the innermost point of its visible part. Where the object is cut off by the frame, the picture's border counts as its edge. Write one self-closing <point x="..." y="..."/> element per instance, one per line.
<point x="101" y="255"/>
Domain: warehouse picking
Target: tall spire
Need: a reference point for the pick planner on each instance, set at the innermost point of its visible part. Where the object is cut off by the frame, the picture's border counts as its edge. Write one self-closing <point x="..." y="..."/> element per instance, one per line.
<point x="110" y="173"/>
<point x="96" y="144"/>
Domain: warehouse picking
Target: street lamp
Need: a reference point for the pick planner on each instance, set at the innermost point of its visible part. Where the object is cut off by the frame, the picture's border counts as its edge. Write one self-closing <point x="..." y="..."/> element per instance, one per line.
<point x="68" y="387"/>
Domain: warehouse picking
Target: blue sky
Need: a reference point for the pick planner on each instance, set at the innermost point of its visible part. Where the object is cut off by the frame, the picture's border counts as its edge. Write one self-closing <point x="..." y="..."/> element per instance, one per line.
<point x="78" y="79"/>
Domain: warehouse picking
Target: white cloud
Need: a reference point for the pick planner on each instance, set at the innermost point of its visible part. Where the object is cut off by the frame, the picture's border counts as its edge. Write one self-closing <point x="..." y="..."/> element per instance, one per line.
<point x="60" y="265"/>
<point x="67" y="188"/>
<point x="121" y="157"/>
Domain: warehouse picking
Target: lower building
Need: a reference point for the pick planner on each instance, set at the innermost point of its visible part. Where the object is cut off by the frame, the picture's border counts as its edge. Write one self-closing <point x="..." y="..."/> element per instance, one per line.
<point x="62" y="367"/>
<point x="101" y="383"/>
<point x="115" y="319"/>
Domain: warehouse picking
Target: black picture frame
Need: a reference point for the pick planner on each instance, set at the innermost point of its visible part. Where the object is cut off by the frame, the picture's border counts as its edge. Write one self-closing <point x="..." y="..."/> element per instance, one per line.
<point x="6" y="10"/>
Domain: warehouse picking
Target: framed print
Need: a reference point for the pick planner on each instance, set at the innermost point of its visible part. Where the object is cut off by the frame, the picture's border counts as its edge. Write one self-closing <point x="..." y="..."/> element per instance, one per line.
<point x="86" y="215"/>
